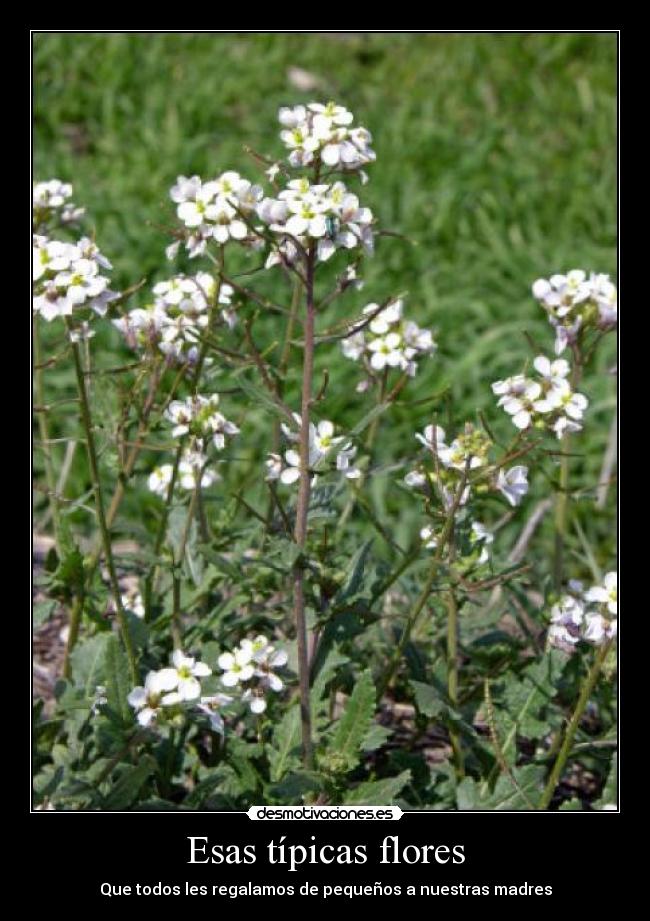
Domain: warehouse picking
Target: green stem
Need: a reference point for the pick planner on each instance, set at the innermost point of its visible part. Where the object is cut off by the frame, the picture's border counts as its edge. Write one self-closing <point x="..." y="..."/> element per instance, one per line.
<point x="73" y="634"/>
<point x="561" y="516"/>
<point x="44" y="433"/>
<point x="302" y="509"/>
<point x="452" y="675"/>
<point x="86" y="422"/>
<point x="370" y="440"/>
<point x="423" y="597"/>
<point x="572" y="727"/>
<point x="176" y="613"/>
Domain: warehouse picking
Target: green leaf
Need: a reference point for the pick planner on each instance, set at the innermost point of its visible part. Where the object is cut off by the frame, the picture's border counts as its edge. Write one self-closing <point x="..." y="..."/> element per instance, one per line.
<point x="117" y="678"/>
<point x="427" y="699"/>
<point x="42" y="611"/>
<point x="506" y="794"/>
<point x="378" y="792"/>
<point x="355" y="722"/>
<point x="125" y="791"/>
<point x="88" y="661"/>
<point x="354" y="575"/>
<point x="284" y="754"/>
<point x="296" y="785"/>
<point x="259" y="396"/>
<point x="375" y="737"/>
<point x="609" y="796"/>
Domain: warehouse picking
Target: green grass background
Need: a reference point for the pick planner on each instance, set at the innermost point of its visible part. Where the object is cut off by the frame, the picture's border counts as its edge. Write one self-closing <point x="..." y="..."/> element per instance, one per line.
<point x="496" y="154"/>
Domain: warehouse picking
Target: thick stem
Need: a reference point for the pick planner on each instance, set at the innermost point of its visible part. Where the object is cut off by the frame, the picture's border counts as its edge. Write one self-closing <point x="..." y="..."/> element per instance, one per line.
<point x="574" y="722"/>
<point x="86" y="422"/>
<point x="302" y="509"/>
<point x="44" y="433"/>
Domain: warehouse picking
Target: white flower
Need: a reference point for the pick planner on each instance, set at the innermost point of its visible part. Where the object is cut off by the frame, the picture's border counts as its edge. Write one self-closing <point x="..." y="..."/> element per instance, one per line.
<point x="273" y="465"/>
<point x="480" y="535"/>
<point x="191" y="467"/>
<point x="291" y="473"/>
<point x="211" y="706"/>
<point x="132" y="601"/>
<point x="513" y="484"/>
<point x="200" y="416"/>
<point x="327" y="214"/>
<point x="343" y="460"/>
<point x="237" y="666"/>
<point x="51" y="204"/>
<point x="160" y="478"/>
<point x="266" y="666"/>
<point x="389" y="341"/>
<point x="573" y="300"/>
<point x="321" y="440"/>
<point x="254" y="697"/>
<point x="182" y="679"/>
<point x="416" y="479"/>
<point x="567" y="619"/>
<point x="433" y="438"/>
<point x="605" y="593"/>
<point x="386" y="351"/>
<point x="599" y="629"/>
<point x="217" y="208"/>
<point x="147" y="700"/>
<point x="428" y="537"/>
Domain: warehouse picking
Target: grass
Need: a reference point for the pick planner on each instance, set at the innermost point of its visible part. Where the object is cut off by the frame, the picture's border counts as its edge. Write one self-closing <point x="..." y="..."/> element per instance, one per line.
<point x="496" y="156"/>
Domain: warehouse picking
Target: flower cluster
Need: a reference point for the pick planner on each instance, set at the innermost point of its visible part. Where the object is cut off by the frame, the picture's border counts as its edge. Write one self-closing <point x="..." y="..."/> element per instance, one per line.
<point x="575" y="302"/>
<point x="67" y="278"/>
<point x="179" y="315"/>
<point x="547" y="403"/>
<point x="451" y="462"/>
<point x="388" y="340"/>
<point x="166" y="690"/>
<point x="250" y="667"/>
<point x="192" y="472"/>
<point x="322" y="443"/>
<point x="51" y="205"/>
<point x="304" y="212"/>
<point x="447" y="476"/>
<point x="219" y="209"/>
<point x="590" y="615"/>
<point x="326" y="133"/>
<point x="199" y="417"/>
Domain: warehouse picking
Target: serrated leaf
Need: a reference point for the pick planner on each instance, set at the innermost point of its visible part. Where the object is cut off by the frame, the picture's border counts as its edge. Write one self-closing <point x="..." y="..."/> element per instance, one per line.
<point x="378" y="792"/>
<point x="506" y="795"/>
<point x="354" y="575"/>
<point x="355" y="722"/>
<point x="284" y="754"/>
<point x="375" y="737"/>
<point x="427" y="699"/>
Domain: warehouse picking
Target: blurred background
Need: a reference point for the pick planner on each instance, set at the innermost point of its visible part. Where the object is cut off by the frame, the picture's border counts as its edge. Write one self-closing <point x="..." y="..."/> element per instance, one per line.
<point x="496" y="160"/>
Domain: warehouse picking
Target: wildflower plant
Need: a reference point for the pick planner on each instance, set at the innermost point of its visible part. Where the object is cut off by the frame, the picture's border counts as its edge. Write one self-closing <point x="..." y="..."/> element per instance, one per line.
<point x="252" y="646"/>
